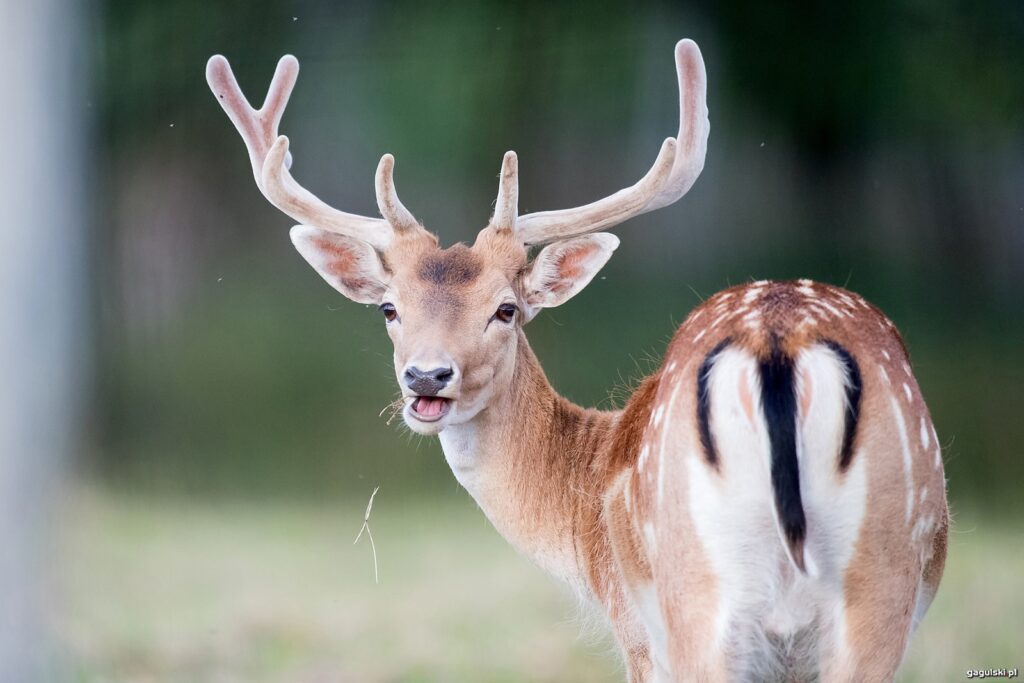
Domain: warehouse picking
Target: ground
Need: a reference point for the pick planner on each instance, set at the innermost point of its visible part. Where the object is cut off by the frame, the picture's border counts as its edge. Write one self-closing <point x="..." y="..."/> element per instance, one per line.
<point x="196" y="591"/>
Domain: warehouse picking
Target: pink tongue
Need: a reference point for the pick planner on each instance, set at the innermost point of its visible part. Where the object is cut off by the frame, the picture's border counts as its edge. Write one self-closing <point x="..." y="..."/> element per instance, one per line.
<point x="429" y="407"/>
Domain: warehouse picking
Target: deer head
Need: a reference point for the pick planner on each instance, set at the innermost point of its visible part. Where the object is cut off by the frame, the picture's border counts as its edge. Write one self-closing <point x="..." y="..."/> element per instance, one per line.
<point x="455" y="315"/>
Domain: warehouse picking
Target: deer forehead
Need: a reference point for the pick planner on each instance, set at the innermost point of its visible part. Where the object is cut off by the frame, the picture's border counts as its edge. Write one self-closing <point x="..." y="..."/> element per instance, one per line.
<point x="446" y="282"/>
<point x="455" y="267"/>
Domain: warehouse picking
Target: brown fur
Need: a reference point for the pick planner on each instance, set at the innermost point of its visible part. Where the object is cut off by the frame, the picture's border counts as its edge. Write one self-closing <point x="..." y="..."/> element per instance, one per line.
<point x="588" y="457"/>
<point x="453" y="267"/>
<point x="562" y="482"/>
<point x="567" y="485"/>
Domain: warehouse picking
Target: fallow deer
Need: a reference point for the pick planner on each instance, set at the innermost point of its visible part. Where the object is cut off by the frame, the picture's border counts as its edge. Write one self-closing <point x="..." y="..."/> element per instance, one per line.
<point x="769" y="503"/>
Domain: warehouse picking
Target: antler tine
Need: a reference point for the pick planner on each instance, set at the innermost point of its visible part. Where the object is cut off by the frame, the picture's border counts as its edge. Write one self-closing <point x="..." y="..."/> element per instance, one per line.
<point x="506" y="208"/>
<point x="258" y="128"/>
<point x="694" y="126"/>
<point x="391" y="207"/>
<point x="676" y="168"/>
<point x="271" y="160"/>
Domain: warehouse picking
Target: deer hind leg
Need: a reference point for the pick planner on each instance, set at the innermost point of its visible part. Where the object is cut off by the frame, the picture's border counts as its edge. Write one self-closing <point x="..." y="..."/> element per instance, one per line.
<point x="869" y="630"/>
<point x="678" y="612"/>
<point x="884" y="599"/>
<point x="634" y="572"/>
<point x="734" y="563"/>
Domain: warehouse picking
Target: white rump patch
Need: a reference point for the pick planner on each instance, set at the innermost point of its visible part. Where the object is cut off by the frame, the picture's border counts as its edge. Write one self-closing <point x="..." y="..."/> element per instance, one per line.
<point x="901" y="428"/>
<point x="833" y="503"/>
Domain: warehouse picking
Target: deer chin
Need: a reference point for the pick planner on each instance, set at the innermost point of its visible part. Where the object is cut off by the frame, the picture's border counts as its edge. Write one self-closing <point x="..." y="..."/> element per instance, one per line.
<point x="427" y="414"/>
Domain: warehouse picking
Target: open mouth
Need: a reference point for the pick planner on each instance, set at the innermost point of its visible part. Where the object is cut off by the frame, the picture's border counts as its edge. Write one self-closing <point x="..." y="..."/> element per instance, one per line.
<point x="430" y="408"/>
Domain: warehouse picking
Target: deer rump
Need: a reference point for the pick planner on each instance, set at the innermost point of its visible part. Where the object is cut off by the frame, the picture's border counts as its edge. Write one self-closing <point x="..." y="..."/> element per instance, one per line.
<point x="783" y="424"/>
<point x="755" y="467"/>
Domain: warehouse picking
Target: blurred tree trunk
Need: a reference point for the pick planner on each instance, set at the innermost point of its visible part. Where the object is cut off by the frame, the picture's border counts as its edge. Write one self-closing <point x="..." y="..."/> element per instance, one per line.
<point x="41" y="335"/>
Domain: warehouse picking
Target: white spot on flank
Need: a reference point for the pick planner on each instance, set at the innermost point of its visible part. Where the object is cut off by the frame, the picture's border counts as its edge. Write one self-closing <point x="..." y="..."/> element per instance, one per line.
<point x="835" y="311"/>
<point x="661" y="450"/>
<point x="808" y="320"/>
<point x="760" y="283"/>
<point x="805" y="290"/>
<point x="644" y="452"/>
<point x="901" y="428"/>
<point x="751" y="295"/>
<point x="652" y="543"/>
<point x="924" y="434"/>
<point x="886" y="354"/>
<point x="805" y="282"/>
<point x="922" y="527"/>
<point x="847" y="301"/>
<point x="918" y="530"/>
<point x="906" y="368"/>
<point x="696" y="315"/>
<point x="906" y="390"/>
<point x="885" y="375"/>
<point x="659" y="412"/>
<point x="924" y="493"/>
<point x="700" y="334"/>
<point x="671" y="367"/>
<point x="938" y="456"/>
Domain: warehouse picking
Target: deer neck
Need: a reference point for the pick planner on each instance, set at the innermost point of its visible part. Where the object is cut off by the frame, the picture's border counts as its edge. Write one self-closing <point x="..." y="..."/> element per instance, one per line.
<point x="530" y="461"/>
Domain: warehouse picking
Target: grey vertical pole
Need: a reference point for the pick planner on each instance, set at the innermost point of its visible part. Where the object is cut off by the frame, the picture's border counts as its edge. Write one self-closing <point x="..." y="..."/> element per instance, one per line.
<point x="42" y="109"/>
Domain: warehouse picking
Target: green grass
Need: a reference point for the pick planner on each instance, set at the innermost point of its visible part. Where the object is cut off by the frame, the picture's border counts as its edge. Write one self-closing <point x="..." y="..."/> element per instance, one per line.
<point x="195" y="591"/>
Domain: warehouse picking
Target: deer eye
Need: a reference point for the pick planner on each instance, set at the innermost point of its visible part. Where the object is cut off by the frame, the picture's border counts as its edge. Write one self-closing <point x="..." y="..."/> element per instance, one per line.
<point x="389" y="311"/>
<point x="505" y="313"/>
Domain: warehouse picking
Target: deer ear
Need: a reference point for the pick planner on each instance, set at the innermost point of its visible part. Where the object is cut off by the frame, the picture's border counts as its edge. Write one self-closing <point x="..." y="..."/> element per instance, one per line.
<point x="349" y="265"/>
<point x="562" y="269"/>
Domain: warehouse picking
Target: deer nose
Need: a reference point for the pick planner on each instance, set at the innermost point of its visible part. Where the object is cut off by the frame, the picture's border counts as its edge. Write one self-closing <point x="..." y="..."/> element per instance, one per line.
<point x="427" y="382"/>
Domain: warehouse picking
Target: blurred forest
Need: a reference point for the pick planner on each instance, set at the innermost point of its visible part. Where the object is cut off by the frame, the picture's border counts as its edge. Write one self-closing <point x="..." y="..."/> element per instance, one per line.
<point x="877" y="145"/>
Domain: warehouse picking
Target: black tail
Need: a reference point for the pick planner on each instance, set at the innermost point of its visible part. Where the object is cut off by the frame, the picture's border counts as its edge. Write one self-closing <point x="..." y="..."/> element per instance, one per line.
<point x="778" y="397"/>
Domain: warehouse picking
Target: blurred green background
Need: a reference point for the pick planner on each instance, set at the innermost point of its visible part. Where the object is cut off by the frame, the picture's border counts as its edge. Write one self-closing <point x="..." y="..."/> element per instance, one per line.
<point x="233" y="413"/>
